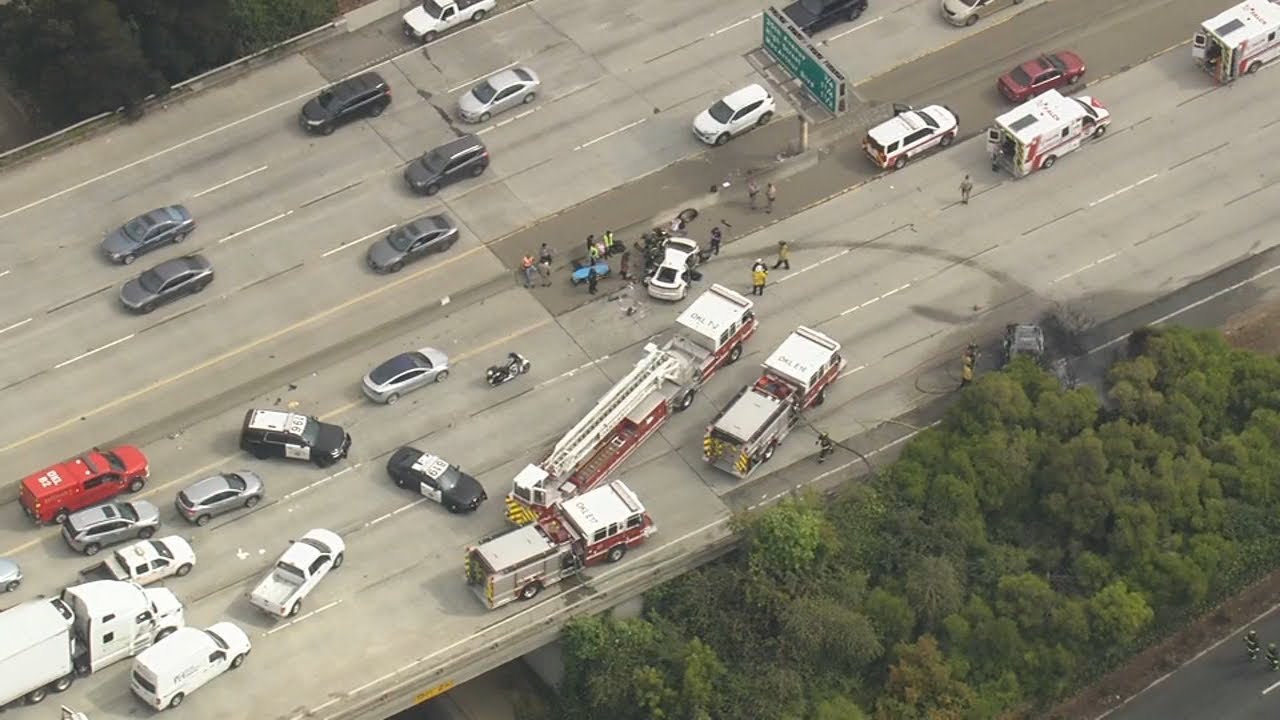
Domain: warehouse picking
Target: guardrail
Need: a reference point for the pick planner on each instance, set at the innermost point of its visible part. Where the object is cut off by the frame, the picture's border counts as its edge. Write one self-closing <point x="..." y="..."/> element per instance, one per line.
<point x="191" y="86"/>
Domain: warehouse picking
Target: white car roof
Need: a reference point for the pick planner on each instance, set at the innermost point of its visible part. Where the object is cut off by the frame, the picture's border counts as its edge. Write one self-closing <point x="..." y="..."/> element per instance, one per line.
<point x="278" y="421"/>
<point x="145" y="550"/>
<point x="903" y="124"/>
<point x="301" y="554"/>
<point x="745" y="96"/>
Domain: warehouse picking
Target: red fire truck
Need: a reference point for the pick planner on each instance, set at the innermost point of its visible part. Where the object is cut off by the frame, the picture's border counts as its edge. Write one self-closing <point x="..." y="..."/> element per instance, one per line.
<point x="709" y="334"/>
<point x="597" y="526"/>
<point x="748" y="431"/>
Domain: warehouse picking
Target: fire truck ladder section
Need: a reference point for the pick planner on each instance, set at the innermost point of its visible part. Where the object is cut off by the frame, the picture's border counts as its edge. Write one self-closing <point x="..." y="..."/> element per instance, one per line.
<point x="658" y="367"/>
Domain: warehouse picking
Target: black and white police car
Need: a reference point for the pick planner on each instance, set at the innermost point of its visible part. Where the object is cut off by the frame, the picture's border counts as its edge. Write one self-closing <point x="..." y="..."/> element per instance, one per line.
<point x="436" y="478"/>
<point x="275" y="433"/>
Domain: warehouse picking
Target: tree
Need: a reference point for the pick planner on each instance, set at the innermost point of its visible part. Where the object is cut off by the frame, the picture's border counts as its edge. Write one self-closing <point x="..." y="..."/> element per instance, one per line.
<point x="921" y="686"/>
<point x="181" y="40"/>
<point x="784" y="545"/>
<point x="1116" y="616"/>
<point x="933" y="587"/>
<point x="75" y="58"/>
<point x="260" y="23"/>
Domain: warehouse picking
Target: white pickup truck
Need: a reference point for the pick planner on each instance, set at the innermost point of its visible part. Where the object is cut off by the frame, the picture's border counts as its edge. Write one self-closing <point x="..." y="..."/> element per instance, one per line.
<point x="425" y="21"/>
<point x="145" y="562"/>
<point x="297" y="572"/>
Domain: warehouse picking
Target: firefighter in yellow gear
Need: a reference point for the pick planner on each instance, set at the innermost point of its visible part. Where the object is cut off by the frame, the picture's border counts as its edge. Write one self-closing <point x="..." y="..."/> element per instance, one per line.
<point x="967" y="361"/>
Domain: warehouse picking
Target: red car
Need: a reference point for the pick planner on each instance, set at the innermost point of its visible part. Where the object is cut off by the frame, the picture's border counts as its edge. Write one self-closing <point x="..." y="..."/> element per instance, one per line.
<point x="1047" y="72"/>
<point x="53" y="493"/>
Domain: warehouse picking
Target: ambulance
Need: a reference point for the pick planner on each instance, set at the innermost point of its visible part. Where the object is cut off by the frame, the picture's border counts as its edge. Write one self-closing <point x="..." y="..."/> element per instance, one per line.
<point x="1035" y="134"/>
<point x="1238" y="41"/>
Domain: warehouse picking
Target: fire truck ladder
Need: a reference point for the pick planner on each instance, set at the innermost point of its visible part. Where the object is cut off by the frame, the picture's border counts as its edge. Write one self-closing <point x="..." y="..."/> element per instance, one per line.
<point x="648" y="375"/>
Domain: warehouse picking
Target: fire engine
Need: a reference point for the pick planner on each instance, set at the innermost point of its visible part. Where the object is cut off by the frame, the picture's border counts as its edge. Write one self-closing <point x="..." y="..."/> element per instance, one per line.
<point x="596" y="526"/>
<point x="748" y="431"/>
<point x="1238" y="41"/>
<point x="1035" y="134"/>
<point x="709" y="334"/>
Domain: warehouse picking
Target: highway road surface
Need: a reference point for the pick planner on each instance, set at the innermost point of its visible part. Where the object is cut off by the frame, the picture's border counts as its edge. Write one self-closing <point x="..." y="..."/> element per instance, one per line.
<point x="897" y="270"/>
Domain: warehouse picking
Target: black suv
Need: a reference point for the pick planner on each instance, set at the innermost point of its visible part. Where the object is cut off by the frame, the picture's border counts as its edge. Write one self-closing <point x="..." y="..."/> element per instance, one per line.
<point x="457" y="159"/>
<point x="814" y="15"/>
<point x="275" y="433"/>
<point x="365" y="94"/>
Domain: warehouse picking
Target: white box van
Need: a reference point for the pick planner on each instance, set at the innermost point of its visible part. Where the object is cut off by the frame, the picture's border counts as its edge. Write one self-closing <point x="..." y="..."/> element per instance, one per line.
<point x="165" y="673"/>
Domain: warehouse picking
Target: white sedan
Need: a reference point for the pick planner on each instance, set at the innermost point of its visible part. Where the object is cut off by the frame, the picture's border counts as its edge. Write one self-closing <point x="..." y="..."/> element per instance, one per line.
<point x="737" y="113"/>
<point x="670" y="281"/>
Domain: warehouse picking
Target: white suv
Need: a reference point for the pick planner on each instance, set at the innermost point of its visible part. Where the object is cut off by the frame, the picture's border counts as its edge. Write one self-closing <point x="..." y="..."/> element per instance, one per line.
<point x="737" y="113"/>
<point x="908" y="133"/>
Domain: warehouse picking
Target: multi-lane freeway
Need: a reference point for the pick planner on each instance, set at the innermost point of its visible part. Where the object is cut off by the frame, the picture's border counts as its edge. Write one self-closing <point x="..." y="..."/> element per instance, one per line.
<point x="897" y="271"/>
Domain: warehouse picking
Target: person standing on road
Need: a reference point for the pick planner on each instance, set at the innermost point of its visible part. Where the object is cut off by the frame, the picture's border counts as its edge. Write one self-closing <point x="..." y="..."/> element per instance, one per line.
<point x="526" y="269"/>
<point x="592" y="280"/>
<point x="752" y="191"/>
<point x="968" y="360"/>
<point x="607" y="240"/>
<point x="758" y="278"/>
<point x="625" y="265"/>
<point x="544" y="264"/>
<point x="759" y="265"/>
<point x="591" y="242"/>
<point x="770" y="194"/>
<point x="1251" y="644"/>
<point x="1273" y="657"/>
<point x="715" y="240"/>
<point x="825" y="447"/>
<point x="966" y="187"/>
<point x="784" y="256"/>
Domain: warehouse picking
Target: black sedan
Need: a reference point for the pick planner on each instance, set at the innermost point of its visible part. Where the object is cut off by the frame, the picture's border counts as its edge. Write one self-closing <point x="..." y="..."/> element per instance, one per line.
<point x="436" y="479"/>
<point x="147" y="232"/>
<point x="166" y="282"/>
<point x="409" y="242"/>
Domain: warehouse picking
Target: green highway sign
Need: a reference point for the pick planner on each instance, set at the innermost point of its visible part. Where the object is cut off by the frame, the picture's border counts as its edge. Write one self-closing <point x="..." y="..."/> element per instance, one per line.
<point x="788" y="45"/>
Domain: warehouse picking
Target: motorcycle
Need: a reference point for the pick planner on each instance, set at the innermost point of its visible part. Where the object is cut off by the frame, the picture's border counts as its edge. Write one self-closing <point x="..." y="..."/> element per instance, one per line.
<point x="515" y="366"/>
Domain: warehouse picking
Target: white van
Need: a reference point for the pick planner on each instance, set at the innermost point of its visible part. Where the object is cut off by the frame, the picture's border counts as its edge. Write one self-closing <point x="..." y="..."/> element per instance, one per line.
<point x="166" y="672"/>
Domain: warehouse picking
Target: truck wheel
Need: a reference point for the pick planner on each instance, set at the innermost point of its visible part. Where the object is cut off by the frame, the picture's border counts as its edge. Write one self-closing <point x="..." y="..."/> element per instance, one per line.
<point x="768" y="452"/>
<point x="686" y="400"/>
<point x="478" y="16"/>
<point x="136" y="484"/>
<point x="821" y="398"/>
<point x="64" y="682"/>
<point x="973" y="19"/>
<point x="735" y="354"/>
<point x="337" y="561"/>
<point x="430" y="36"/>
<point x="61" y="516"/>
<point x="856" y="12"/>
<point x="616" y="553"/>
<point x="203" y="520"/>
<point x="237" y="661"/>
<point x="947" y="139"/>
<point x="146" y="532"/>
<point x="900" y="163"/>
<point x="1100" y="131"/>
<point x="183" y="570"/>
<point x="765" y="118"/>
<point x="1048" y="162"/>
<point x="1253" y="67"/>
<point x="722" y="138"/>
<point x="92" y="549"/>
<point x="297" y="607"/>
<point x="176" y="700"/>
<point x="530" y="591"/>
<point x="260" y="453"/>
<point x="35" y="696"/>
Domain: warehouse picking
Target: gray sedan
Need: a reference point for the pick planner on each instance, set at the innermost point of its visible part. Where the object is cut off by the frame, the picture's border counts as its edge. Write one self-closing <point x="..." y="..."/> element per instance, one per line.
<point x="88" y="530"/>
<point x="10" y="574"/>
<point x="218" y="494"/>
<point x="147" y="232"/>
<point x="501" y="91"/>
<point x="166" y="282"/>
<point x="411" y="241"/>
<point x="405" y="372"/>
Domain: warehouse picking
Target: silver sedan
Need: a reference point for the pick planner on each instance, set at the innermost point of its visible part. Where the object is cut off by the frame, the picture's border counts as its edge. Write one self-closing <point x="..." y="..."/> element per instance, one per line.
<point x="499" y="92"/>
<point x="10" y="575"/>
<point x="404" y="373"/>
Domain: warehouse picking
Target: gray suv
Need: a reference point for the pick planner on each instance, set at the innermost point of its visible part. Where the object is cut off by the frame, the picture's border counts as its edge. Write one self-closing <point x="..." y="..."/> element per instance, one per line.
<point x="219" y="494"/>
<point x="455" y="160"/>
<point x="89" y="530"/>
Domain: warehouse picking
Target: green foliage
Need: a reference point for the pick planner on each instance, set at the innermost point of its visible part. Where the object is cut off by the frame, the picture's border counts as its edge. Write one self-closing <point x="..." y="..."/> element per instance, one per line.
<point x="78" y="58"/>
<point x="1033" y="539"/>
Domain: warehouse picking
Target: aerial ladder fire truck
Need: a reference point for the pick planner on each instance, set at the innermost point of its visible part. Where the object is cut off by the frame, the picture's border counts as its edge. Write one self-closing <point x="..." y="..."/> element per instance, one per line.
<point x="709" y="335"/>
<point x="746" y="433"/>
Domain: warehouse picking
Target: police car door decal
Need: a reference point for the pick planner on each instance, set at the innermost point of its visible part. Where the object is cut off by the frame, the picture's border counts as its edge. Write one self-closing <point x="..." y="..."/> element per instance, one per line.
<point x="300" y="452"/>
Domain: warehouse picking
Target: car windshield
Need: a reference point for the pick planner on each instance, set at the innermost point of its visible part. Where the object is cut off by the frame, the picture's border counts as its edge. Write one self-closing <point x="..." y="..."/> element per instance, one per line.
<point x="720" y="112"/>
<point x="1054" y="62"/>
<point x="927" y="119"/>
<point x="434" y="161"/>
<point x="235" y="482"/>
<point x="448" y="479"/>
<point x="432" y="8"/>
<point x="484" y="92"/>
<point x="137" y="228"/>
<point x="666" y="274"/>
<point x="114" y="461"/>
<point x="400" y="238"/>
<point x="1020" y="77"/>
<point x="185" y="499"/>
<point x="216" y="640"/>
<point x="1087" y="108"/>
<point x="161" y="549"/>
<point x="151" y="281"/>
<point x="326" y="99"/>
<point x="969" y="3"/>
<point x="289" y="573"/>
<point x="311" y="432"/>
<point x="813" y="6"/>
<point x="128" y="513"/>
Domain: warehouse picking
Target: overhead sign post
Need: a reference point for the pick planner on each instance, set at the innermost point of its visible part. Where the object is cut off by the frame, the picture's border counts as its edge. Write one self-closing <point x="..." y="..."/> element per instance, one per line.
<point x="786" y="46"/>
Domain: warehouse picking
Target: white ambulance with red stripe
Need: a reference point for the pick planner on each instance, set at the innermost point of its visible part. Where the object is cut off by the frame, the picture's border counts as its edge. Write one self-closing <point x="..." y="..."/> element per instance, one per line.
<point x="1238" y="41"/>
<point x="1034" y="135"/>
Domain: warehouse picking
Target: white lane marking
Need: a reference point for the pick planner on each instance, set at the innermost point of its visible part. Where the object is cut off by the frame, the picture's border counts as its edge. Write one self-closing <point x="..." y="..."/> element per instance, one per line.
<point x="624" y="128"/>
<point x="251" y="228"/>
<point x="727" y="28"/>
<point x="357" y="241"/>
<point x="509" y="120"/>
<point x="300" y="618"/>
<point x="15" y="326"/>
<point x="481" y="77"/>
<point x="1271" y="687"/>
<point x="235" y="179"/>
<point x="6" y="272"/>
<point x="875" y="300"/>
<point x="1124" y="190"/>
<point x="1081" y="269"/>
<point x="811" y="266"/>
<point x="521" y="618"/>
<point x="95" y="351"/>
<point x="853" y="29"/>
<point x="394" y="513"/>
<point x="320" y="707"/>
<point x="850" y="372"/>
<point x="571" y="373"/>
<point x="320" y="482"/>
<point x="1192" y="306"/>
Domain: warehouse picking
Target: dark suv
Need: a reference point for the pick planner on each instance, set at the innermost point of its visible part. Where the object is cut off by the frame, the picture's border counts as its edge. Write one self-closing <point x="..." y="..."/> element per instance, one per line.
<point x="457" y="159"/>
<point x="363" y="95"/>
